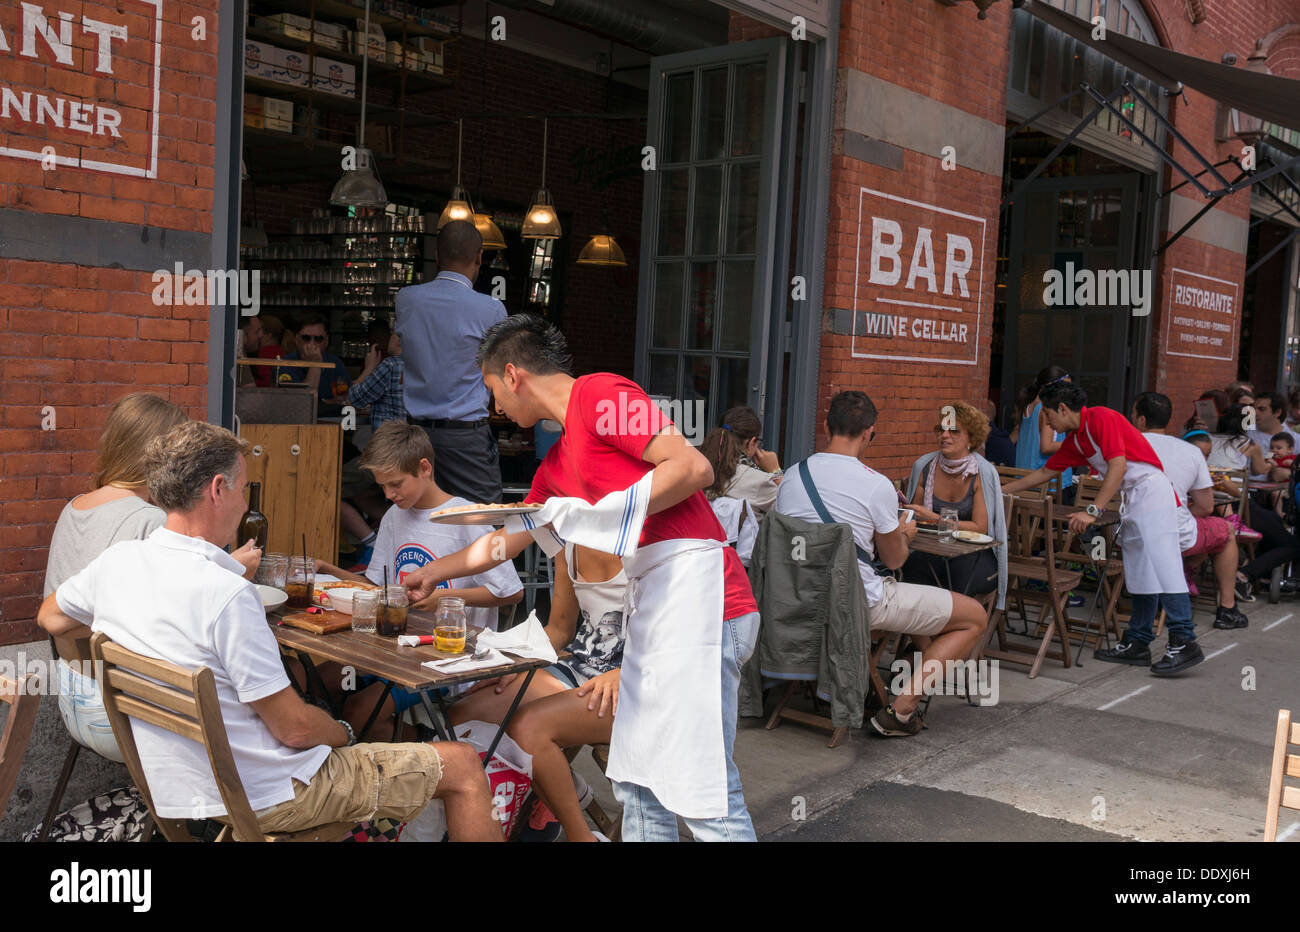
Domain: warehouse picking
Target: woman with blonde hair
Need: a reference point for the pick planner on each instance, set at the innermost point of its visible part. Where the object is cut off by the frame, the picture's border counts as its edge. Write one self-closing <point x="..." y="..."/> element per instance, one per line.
<point x="116" y="509"/>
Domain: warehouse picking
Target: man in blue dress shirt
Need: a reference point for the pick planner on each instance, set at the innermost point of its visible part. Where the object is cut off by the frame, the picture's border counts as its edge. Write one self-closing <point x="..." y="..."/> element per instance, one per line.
<point x="440" y="324"/>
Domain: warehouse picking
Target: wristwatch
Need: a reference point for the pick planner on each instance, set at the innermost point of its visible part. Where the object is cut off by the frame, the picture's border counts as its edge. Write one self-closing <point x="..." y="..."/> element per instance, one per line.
<point x="1094" y="511"/>
<point x="352" y="737"/>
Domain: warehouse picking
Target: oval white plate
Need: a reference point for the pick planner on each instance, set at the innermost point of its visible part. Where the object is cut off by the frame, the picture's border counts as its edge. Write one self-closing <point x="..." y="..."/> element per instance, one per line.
<point x="271" y="597"/>
<point x="973" y="537"/>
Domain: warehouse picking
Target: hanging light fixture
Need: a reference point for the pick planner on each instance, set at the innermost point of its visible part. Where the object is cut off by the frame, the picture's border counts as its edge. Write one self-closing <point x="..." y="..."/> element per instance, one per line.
<point x="360" y="186"/>
<point x="541" y="221"/>
<point x="459" y="207"/>
<point x="491" y="233"/>
<point x="602" y="252"/>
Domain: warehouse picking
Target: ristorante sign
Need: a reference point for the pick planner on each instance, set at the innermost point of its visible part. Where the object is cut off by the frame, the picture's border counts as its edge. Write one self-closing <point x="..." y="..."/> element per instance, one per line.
<point x="79" y="84"/>
<point x="1201" y="321"/>
<point x="918" y="286"/>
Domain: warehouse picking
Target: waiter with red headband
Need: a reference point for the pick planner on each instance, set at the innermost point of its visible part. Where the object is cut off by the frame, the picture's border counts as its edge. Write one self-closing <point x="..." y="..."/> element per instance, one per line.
<point x="1106" y="442"/>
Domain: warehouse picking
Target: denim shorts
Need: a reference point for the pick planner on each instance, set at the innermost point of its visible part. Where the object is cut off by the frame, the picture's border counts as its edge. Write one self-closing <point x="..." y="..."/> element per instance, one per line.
<point x="82" y="706"/>
<point x="566" y="674"/>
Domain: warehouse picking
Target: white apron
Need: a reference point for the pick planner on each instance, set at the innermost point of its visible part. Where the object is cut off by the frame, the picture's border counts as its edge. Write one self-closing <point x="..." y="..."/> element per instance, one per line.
<point x="668" y="731"/>
<point x="1153" y="560"/>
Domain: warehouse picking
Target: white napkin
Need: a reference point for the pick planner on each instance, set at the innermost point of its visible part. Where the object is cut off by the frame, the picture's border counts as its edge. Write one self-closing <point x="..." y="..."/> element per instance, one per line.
<point x="527" y="640"/>
<point x="466" y="662"/>
<point x="612" y="525"/>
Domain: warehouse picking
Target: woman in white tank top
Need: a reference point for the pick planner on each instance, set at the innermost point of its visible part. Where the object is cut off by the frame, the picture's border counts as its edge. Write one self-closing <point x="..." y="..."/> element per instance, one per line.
<point x="575" y="704"/>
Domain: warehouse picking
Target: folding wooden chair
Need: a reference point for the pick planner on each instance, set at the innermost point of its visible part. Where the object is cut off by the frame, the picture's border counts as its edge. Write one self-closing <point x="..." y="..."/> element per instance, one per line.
<point x="1009" y="474"/>
<point x="23" y="700"/>
<point x="185" y="703"/>
<point x="1031" y="555"/>
<point x="1284" y="765"/>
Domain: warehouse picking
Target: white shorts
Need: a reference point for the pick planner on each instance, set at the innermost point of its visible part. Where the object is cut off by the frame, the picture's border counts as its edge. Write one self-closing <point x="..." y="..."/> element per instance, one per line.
<point x="909" y="608"/>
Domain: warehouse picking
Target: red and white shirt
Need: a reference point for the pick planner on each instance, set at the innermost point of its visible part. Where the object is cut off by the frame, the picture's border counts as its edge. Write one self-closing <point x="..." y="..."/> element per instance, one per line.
<point x="1102" y="435"/>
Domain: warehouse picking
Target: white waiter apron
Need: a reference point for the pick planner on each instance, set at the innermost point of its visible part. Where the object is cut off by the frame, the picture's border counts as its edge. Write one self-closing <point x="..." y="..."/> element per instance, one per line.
<point x="668" y="731"/>
<point x="1153" y="560"/>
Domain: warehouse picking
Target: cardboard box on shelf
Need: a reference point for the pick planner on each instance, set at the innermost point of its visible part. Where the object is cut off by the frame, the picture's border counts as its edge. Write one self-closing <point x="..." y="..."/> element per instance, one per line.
<point x="332" y="30"/>
<point x="286" y="24"/>
<point x="260" y="59"/>
<point x="431" y="53"/>
<point x="252" y="103"/>
<point x="396" y="54"/>
<point x="326" y="41"/>
<point x="335" y="77"/>
<point x="376" y="46"/>
<point x="277" y="114"/>
<point x="294" y="68"/>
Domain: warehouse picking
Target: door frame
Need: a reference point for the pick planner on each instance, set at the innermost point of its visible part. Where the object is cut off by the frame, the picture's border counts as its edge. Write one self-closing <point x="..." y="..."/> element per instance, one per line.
<point x="764" y="259"/>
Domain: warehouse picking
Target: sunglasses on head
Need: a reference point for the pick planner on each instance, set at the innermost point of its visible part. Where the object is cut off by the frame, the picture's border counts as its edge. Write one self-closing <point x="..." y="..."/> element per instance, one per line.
<point x="309" y="338"/>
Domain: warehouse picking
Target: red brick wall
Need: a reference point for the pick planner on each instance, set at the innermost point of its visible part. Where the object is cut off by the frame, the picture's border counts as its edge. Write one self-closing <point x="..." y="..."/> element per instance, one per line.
<point x="77" y="338"/>
<point x="949" y="55"/>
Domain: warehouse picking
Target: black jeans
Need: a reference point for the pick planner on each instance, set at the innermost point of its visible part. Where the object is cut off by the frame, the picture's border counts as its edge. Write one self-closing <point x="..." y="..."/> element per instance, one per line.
<point x="1279" y="546"/>
<point x="465" y="462"/>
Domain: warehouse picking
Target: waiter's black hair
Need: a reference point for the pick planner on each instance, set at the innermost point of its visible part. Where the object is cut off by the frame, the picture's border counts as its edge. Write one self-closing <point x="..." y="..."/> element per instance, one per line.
<point x="526" y="341"/>
<point x="459" y="242"/>
<point x="851" y="412"/>
<point x="1156" y="408"/>
<point x="1063" y="393"/>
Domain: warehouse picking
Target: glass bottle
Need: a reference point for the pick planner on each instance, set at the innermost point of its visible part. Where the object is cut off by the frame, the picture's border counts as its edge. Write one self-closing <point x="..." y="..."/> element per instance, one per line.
<point x="253" y="525"/>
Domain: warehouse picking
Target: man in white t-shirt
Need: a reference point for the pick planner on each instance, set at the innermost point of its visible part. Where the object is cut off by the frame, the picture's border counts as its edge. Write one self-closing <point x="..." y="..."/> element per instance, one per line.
<point x="853" y="493"/>
<point x="1270" y="410"/>
<point x="177" y="596"/>
<point x="1200" y="531"/>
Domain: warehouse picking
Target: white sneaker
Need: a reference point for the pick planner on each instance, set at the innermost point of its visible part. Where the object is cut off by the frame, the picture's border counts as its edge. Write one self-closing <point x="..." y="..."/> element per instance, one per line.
<point x="585" y="793"/>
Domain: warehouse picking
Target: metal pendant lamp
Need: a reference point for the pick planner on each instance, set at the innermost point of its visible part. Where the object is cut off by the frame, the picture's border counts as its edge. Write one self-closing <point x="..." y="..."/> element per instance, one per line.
<point x="493" y="238"/>
<point x="541" y="221"/>
<point x="459" y="207"/>
<point x="360" y="186"/>
<point x="601" y="251"/>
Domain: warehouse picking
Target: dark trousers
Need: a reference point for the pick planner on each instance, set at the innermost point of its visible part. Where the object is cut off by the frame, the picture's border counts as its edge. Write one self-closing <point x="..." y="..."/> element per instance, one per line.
<point x="1278" y="547"/>
<point x="465" y="462"/>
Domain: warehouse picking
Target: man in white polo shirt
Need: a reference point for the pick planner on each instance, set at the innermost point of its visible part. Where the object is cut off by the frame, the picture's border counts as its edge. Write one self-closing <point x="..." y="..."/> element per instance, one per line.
<point x="1200" y="532"/>
<point x="851" y="492"/>
<point x="177" y="596"/>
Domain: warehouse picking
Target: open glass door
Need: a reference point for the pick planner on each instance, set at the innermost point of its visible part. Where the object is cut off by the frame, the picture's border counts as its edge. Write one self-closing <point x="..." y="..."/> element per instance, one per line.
<point x="705" y="299"/>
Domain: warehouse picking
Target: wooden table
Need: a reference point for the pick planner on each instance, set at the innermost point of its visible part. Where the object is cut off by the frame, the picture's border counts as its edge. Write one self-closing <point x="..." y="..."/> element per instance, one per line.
<point x="397" y="665"/>
<point x="947" y="550"/>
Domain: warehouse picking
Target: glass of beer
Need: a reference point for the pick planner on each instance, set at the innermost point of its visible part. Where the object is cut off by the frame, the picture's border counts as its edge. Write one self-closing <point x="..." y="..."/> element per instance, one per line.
<point x="390" y="615"/>
<point x="301" y="581"/>
<point x="449" y="625"/>
<point x="365" y="609"/>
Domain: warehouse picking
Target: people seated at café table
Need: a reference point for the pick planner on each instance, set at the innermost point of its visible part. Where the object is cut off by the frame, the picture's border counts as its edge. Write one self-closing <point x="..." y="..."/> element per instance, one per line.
<point x="956" y="477"/>
<point x="400" y="457"/>
<point x="853" y="493"/>
<point x="1201" y="533"/>
<point x="331" y="385"/>
<point x="178" y="596"/>
<point x="116" y="508"/>
<point x="1036" y="441"/>
<point x="573" y="701"/>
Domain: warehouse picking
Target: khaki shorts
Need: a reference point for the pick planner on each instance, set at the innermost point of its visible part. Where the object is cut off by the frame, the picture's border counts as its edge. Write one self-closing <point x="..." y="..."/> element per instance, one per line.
<point x="912" y="609"/>
<point x="356" y="784"/>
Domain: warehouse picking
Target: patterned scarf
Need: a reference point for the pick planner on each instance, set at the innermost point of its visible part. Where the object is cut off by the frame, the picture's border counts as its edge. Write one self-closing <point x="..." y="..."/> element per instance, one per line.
<point x="966" y="466"/>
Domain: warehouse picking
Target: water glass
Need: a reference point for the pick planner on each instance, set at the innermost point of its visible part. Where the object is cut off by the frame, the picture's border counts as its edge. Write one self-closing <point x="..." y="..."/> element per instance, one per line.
<point x="273" y="570"/>
<point x="365" y="609"/>
<point x="947" y="523"/>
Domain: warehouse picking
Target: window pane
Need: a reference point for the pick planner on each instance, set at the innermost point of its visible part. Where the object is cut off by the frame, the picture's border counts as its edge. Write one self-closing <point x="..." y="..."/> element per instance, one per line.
<point x="667" y="329"/>
<point x="678" y="118"/>
<point x="712" y="139"/>
<point x="708" y="210"/>
<point x="747" y="97"/>
<point x="737" y="304"/>
<point x="742" y="210"/>
<point x="699" y="370"/>
<point x="733" y="388"/>
<point x="1104" y="217"/>
<point x="703" y="301"/>
<point x="672" y="212"/>
<point x="1096" y="349"/>
<point x="663" y="375"/>
<point x="1031" y="341"/>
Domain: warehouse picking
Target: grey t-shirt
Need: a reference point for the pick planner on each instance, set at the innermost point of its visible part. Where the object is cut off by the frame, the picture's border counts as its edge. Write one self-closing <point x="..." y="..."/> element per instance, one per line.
<point x="80" y="536"/>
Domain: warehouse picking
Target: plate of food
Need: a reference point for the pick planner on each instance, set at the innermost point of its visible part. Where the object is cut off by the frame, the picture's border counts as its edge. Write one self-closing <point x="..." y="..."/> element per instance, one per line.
<point x="482" y="514"/>
<point x="972" y="537"/>
<point x="272" y="598"/>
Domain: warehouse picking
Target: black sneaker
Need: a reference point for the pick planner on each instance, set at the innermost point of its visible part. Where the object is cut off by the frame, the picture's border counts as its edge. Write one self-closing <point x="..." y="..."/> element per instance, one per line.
<point x="1230" y="619"/>
<point x="886" y="723"/>
<point x="1130" y="652"/>
<point x="1245" y="590"/>
<point x="1179" y="656"/>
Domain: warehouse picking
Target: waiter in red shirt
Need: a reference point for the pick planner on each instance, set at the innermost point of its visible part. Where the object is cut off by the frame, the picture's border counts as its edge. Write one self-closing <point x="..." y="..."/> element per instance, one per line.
<point x="1106" y="442"/>
<point x="691" y="617"/>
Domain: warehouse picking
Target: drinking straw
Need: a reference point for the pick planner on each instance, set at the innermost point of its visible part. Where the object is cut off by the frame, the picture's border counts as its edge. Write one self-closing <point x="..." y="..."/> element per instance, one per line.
<point x="304" y="554"/>
<point x="385" y="587"/>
